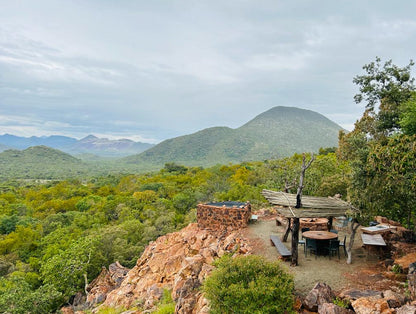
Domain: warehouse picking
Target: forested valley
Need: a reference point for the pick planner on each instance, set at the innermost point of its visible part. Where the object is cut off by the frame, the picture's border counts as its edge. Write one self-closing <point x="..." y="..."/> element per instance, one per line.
<point x="56" y="236"/>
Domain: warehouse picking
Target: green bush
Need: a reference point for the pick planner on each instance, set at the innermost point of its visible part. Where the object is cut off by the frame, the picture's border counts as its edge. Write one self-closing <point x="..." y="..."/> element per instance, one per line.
<point x="249" y="285"/>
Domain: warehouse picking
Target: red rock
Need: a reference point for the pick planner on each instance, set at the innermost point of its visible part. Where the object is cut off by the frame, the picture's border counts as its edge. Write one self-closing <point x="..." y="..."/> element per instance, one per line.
<point x="405" y="261"/>
<point x="320" y="294"/>
<point x="371" y="305"/>
<point x="393" y="299"/>
<point x="406" y="309"/>
<point x="179" y="262"/>
<point x="331" y="308"/>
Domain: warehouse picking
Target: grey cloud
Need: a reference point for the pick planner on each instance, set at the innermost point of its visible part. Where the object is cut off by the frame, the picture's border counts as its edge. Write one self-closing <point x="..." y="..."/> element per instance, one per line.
<point x="161" y="70"/>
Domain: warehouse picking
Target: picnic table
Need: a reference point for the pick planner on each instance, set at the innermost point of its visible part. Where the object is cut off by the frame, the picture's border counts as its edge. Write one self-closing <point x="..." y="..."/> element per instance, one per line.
<point x="379" y="229"/>
<point x="373" y="241"/>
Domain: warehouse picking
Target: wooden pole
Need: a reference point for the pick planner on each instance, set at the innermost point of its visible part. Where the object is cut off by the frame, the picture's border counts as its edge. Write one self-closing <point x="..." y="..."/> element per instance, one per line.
<point x="330" y="219"/>
<point x="295" y="240"/>
<point x="288" y="229"/>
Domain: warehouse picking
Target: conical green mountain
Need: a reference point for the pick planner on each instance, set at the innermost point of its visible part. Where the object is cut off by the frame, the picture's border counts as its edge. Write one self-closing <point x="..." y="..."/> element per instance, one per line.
<point x="278" y="132"/>
<point x="39" y="162"/>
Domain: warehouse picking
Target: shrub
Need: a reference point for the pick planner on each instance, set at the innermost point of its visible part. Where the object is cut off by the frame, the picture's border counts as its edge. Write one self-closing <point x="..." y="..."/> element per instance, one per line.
<point x="249" y="285"/>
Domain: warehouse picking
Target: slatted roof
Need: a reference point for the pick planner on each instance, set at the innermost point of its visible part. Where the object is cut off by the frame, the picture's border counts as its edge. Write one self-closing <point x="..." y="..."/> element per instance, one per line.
<point x="312" y="206"/>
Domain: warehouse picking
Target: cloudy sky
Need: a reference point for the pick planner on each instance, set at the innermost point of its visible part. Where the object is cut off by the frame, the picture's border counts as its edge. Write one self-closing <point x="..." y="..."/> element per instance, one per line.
<point x="151" y="70"/>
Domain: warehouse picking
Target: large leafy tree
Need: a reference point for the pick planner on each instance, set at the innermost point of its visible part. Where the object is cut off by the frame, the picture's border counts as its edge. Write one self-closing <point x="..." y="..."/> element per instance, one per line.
<point x="381" y="146"/>
<point x="384" y="88"/>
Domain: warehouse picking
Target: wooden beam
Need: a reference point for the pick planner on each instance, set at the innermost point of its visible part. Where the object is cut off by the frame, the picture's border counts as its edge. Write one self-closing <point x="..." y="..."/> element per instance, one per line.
<point x="309" y="212"/>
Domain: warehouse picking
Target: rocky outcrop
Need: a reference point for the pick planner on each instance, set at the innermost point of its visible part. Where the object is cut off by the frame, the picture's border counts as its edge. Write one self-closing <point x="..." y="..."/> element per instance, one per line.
<point x="106" y="281"/>
<point x="178" y="262"/>
<point x="319" y="295"/>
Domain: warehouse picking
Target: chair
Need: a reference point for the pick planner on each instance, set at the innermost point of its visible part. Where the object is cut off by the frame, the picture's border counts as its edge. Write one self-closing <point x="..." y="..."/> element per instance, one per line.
<point x="304" y="230"/>
<point x="312" y="246"/>
<point x="303" y="242"/>
<point x="333" y="247"/>
<point x="343" y="245"/>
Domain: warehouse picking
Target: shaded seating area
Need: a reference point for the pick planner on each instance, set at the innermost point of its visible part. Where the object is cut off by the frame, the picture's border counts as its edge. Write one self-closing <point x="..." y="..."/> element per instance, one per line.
<point x="311" y="209"/>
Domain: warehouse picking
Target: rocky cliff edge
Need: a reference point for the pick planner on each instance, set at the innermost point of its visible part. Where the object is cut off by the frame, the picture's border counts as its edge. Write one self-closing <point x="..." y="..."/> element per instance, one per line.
<point x="178" y="261"/>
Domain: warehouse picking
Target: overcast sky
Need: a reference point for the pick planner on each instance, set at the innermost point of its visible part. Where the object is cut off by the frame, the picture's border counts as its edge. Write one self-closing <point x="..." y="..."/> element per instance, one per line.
<point x="151" y="70"/>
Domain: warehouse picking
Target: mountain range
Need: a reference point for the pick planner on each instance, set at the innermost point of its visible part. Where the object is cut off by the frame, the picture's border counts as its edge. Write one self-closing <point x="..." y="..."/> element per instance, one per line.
<point x="276" y="133"/>
<point x="88" y="145"/>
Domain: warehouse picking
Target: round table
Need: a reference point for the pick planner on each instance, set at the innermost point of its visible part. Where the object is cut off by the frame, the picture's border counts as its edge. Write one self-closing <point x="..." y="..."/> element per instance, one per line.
<point x="319" y="235"/>
<point x="322" y="240"/>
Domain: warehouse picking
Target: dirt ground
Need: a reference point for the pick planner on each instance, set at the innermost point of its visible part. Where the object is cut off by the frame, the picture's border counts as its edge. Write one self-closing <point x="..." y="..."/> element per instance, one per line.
<point x="365" y="272"/>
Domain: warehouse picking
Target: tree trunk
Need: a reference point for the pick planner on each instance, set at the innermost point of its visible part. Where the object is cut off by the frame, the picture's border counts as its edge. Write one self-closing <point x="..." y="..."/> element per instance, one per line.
<point x="288" y="229"/>
<point x="302" y="175"/>
<point x="295" y="240"/>
<point x="354" y="226"/>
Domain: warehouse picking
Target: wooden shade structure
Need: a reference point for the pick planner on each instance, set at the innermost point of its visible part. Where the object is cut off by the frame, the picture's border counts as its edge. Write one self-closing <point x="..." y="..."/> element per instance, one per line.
<point x="312" y="207"/>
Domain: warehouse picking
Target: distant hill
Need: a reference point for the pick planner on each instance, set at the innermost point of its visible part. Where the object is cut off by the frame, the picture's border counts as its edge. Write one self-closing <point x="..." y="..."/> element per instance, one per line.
<point x="39" y="162"/>
<point x="107" y="148"/>
<point x="278" y="132"/>
<point x="89" y="145"/>
<point x="3" y="147"/>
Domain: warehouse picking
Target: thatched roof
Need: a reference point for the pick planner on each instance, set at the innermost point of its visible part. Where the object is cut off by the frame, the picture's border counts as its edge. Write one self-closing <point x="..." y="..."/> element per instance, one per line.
<point x="312" y="206"/>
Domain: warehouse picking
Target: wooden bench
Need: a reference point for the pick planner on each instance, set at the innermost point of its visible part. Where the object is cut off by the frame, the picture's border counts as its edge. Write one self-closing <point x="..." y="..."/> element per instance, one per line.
<point x="280" y="247"/>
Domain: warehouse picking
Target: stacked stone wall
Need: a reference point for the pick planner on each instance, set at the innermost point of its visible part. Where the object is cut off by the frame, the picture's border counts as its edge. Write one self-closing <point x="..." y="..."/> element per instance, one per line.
<point x="215" y="217"/>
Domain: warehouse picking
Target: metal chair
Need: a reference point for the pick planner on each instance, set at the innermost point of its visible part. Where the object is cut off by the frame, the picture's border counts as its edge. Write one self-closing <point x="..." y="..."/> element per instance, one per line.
<point x="304" y="230"/>
<point x="333" y="248"/>
<point x="302" y="241"/>
<point x="343" y="244"/>
<point x="312" y="246"/>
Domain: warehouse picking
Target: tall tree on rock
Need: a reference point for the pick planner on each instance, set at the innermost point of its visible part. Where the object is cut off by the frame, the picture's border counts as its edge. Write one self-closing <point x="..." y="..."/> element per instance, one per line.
<point x="381" y="146"/>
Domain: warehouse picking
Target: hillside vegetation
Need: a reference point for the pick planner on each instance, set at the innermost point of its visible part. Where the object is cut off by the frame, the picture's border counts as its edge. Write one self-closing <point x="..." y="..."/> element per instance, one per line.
<point x="39" y="162"/>
<point x="53" y="234"/>
<point x="278" y="132"/>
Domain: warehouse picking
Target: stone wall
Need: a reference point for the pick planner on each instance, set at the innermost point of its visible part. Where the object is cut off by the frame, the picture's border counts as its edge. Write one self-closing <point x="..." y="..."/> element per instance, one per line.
<point x="217" y="217"/>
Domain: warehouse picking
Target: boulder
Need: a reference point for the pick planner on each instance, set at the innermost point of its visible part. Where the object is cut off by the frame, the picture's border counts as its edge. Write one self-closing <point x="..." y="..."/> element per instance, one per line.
<point x="320" y="294"/>
<point x="405" y="261"/>
<point x="371" y="305"/>
<point x="354" y="294"/>
<point x="107" y="281"/>
<point x="406" y="309"/>
<point x="331" y="308"/>
<point x="394" y="299"/>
